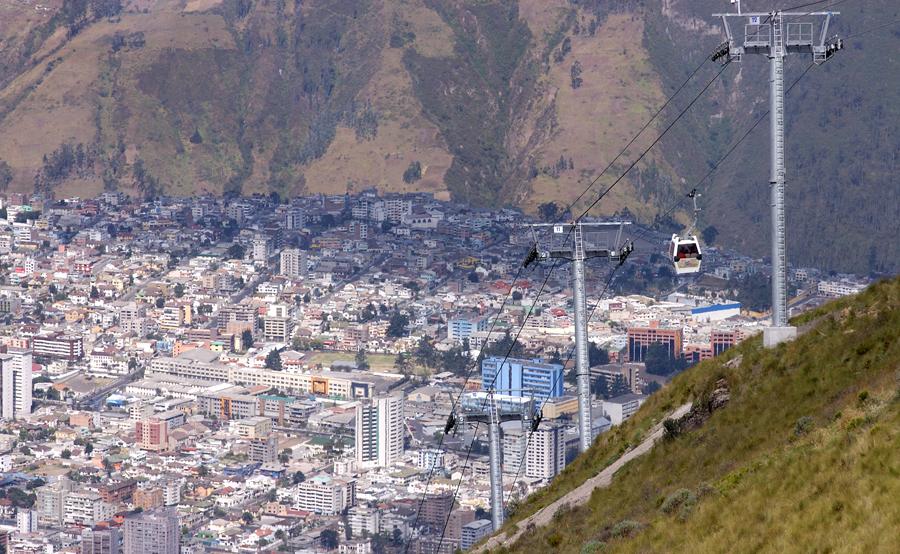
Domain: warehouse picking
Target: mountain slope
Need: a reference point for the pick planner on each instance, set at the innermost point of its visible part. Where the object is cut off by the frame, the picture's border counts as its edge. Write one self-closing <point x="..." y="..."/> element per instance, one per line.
<point x="803" y="452"/>
<point x="500" y="103"/>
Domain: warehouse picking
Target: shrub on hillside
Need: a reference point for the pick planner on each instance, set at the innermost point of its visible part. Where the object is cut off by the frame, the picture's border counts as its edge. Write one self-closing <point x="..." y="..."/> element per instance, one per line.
<point x="625" y="528"/>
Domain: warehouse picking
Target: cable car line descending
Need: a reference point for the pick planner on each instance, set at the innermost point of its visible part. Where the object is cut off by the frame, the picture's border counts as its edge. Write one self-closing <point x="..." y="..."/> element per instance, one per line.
<point x="643" y="233"/>
<point x="637" y="135"/>
<point x="661" y="135"/>
<point x="452" y="420"/>
<point x="536" y="420"/>
<point x="672" y="208"/>
<point x="484" y="403"/>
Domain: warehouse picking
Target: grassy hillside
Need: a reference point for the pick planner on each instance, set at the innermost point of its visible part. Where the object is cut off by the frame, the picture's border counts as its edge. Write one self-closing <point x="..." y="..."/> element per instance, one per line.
<point x="802" y="457"/>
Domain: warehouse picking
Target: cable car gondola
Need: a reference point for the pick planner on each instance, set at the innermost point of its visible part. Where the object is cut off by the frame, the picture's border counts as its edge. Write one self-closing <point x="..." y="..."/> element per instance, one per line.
<point x="685" y="250"/>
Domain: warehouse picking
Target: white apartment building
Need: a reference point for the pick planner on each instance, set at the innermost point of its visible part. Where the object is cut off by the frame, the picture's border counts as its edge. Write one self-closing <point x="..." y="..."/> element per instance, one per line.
<point x="431" y="458"/>
<point x="294" y="218"/>
<point x="836" y="289"/>
<point x="545" y="456"/>
<point x="51" y="499"/>
<point x="364" y="520"/>
<point x="16" y="383"/>
<point x="379" y="431"/>
<point x="292" y="263"/>
<point x="622" y="407"/>
<point x="86" y="509"/>
<point x="261" y="248"/>
<point x="133" y="319"/>
<point x="325" y="495"/>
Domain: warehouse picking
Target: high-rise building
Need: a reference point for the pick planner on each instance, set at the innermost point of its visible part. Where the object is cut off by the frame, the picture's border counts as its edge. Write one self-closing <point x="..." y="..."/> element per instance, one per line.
<point x="294" y="218"/>
<point x="86" y="509"/>
<point x="264" y="449"/>
<point x="51" y="500"/>
<point x="512" y="444"/>
<point x="261" y="246"/>
<point x="16" y="383"/>
<point x="462" y="326"/>
<point x="435" y="508"/>
<point x="152" y="434"/>
<point x="26" y="521"/>
<point x="59" y="346"/>
<point x="720" y="340"/>
<point x="545" y="456"/>
<point x="101" y="541"/>
<point x="379" y="431"/>
<point x="289" y="263"/>
<point x="522" y="378"/>
<point x="133" y="319"/>
<point x="155" y="532"/>
<point x="278" y="324"/>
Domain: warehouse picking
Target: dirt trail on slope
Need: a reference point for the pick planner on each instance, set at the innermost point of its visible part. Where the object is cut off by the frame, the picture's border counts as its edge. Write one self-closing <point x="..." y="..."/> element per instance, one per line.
<point x="582" y="494"/>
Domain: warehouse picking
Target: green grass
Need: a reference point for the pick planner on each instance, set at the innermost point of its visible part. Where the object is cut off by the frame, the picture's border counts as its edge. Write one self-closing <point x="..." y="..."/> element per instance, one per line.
<point x="804" y="456"/>
<point x="377" y="362"/>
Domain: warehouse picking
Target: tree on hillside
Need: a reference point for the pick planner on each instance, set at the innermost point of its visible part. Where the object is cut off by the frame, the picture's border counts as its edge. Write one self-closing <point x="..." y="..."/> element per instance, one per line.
<point x="329" y="538"/>
<point x="548" y="211"/>
<point x="426" y="354"/>
<point x="575" y="73"/>
<point x="397" y="325"/>
<point x="455" y="360"/>
<point x="658" y="361"/>
<point x="413" y="173"/>
<point x="503" y="347"/>
<point x="179" y="290"/>
<point x="606" y="389"/>
<point x="596" y="355"/>
<point x="235" y="252"/>
<point x="273" y="360"/>
<point x="247" y="339"/>
<point x="710" y="234"/>
<point x="403" y="363"/>
<point x="362" y="360"/>
<point x="6" y="176"/>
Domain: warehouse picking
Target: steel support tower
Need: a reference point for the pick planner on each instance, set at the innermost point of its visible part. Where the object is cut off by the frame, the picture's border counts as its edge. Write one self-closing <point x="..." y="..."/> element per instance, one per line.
<point x="497" y="512"/>
<point x="577" y="249"/>
<point x="765" y="33"/>
<point x="490" y="414"/>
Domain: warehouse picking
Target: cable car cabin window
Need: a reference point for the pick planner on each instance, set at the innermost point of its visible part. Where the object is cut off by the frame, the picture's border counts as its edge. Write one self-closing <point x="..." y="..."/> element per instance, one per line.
<point x="688" y="250"/>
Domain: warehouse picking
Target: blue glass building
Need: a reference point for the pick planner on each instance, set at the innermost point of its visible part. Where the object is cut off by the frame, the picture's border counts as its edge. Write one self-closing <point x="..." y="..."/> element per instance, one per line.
<point x="517" y="377"/>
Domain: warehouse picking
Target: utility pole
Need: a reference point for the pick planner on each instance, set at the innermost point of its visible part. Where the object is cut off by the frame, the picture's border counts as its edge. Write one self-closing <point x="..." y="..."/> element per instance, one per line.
<point x="765" y="33"/>
<point x="578" y="250"/>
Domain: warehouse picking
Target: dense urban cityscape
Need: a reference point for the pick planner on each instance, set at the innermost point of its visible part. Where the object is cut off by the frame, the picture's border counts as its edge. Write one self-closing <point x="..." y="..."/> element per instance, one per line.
<point x="256" y="374"/>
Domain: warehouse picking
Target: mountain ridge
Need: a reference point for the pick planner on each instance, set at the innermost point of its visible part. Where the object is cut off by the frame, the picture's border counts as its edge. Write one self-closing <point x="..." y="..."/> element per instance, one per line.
<point x="497" y="103"/>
